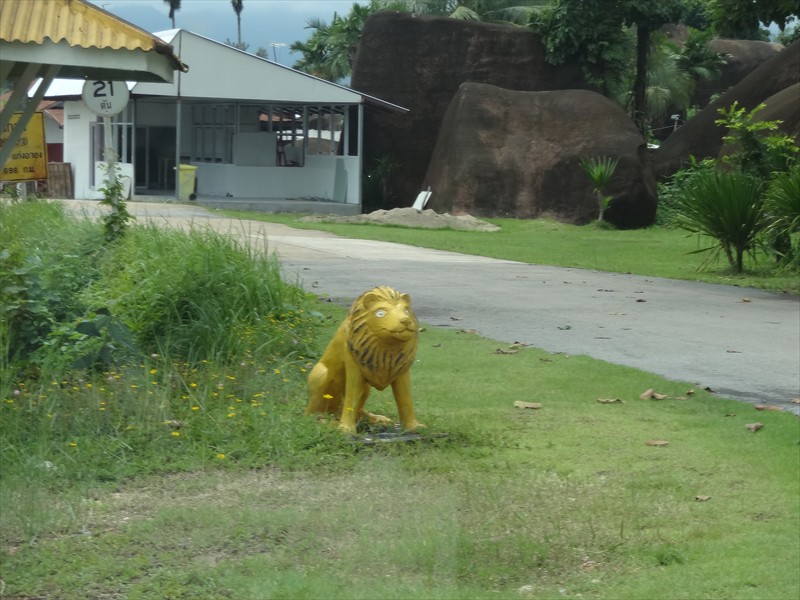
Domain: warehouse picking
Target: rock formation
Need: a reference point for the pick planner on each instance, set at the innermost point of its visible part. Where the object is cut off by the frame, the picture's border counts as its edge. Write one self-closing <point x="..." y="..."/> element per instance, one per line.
<point x="503" y="153"/>
<point x="742" y="58"/>
<point x="419" y="62"/>
<point x="701" y="137"/>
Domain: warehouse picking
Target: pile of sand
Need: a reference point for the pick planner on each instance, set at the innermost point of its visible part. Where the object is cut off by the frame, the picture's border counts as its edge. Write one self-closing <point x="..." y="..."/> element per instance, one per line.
<point x="410" y="217"/>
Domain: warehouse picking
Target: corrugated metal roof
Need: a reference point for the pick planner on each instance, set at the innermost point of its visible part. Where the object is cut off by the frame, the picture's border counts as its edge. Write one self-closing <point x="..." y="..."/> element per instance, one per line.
<point x="77" y="23"/>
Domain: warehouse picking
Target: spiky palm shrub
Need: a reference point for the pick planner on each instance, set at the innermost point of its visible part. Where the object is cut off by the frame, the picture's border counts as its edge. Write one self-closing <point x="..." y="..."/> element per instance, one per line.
<point x="600" y="171"/>
<point x="782" y="209"/>
<point x="725" y="206"/>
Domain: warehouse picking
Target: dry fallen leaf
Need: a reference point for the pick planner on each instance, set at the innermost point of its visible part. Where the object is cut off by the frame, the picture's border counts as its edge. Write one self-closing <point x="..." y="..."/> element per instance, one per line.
<point x="731" y="415"/>
<point x="702" y="498"/>
<point x="437" y="346"/>
<point x="455" y="318"/>
<point x="796" y="401"/>
<point x="521" y="404"/>
<point x="504" y="351"/>
<point x="609" y="401"/>
<point x="468" y="331"/>
<point x="657" y="443"/>
<point x="519" y="345"/>
<point x="768" y="407"/>
<point x="754" y="426"/>
<point x="652" y="394"/>
<point x="689" y="392"/>
<point x="746" y="300"/>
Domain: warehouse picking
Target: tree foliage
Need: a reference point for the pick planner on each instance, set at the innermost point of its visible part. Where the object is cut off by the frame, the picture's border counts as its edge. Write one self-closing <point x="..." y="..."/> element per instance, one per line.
<point x="592" y="31"/>
<point x="238" y="7"/>
<point x="742" y="18"/>
<point x="331" y="50"/>
<point x="174" y="6"/>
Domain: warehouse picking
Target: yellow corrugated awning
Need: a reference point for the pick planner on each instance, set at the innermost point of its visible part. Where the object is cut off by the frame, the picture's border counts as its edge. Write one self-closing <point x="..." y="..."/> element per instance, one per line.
<point x="77" y="24"/>
<point x="75" y="40"/>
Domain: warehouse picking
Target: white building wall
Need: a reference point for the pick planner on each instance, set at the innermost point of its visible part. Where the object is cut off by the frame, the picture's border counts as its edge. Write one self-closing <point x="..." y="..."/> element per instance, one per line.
<point x="333" y="178"/>
<point x="53" y="134"/>
<point x="77" y="147"/>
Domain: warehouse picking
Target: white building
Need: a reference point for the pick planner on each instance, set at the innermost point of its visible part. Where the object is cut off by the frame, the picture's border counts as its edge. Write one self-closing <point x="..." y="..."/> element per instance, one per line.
<point x="256" y="131"/>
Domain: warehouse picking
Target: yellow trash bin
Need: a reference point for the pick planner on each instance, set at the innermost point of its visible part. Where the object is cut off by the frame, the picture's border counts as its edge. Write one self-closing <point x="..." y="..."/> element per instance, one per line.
<point x="186" y="179"/>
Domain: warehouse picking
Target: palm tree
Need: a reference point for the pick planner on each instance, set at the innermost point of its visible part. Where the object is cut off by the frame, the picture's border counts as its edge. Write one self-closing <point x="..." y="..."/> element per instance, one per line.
<point x="314" y="59"/>
<point x="174" y="6"/>
<point x="238" y="7"/>
<point x="331" y="50"/>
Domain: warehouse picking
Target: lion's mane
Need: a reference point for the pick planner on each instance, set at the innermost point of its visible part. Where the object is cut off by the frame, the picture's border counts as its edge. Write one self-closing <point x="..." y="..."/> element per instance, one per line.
<point x="380" y="357"/>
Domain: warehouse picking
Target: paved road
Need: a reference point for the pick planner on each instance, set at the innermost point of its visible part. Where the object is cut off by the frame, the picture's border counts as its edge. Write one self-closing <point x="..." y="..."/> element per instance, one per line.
<point x="742" y="343"/>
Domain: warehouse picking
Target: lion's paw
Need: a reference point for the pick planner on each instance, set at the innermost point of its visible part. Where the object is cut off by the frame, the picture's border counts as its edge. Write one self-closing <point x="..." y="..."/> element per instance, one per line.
<point x="374" y="419"/>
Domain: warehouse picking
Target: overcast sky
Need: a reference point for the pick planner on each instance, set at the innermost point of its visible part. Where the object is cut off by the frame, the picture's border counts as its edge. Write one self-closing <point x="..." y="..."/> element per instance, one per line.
<point x="263" y="21"/>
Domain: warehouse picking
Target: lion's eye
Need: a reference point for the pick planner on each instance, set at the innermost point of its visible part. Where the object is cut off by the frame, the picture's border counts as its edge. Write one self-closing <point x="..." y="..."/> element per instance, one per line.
<point x="380" y="313"/>
<point x="408" y="312"/>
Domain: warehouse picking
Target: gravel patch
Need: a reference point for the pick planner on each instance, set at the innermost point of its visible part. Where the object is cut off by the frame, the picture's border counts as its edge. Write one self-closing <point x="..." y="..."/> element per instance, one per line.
<point x="409" y="217"/>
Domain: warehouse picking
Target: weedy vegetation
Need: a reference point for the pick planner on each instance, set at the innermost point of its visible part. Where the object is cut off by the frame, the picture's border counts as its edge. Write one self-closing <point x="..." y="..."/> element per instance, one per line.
<point x="153" y="446"/>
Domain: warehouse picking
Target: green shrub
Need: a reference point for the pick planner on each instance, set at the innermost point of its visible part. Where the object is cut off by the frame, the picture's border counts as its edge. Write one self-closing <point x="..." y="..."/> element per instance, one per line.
<point x="46" y="259"/>
<point x="755" y="147"/>
<point x="727" y="207"/>
<point x="671" y="191"/>
<point x="600" y="171"/>
<point x="782" y="208"/>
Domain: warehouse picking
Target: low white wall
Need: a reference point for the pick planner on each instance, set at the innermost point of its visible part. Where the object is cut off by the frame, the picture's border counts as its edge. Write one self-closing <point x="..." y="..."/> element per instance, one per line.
<point x="333" y="178"/>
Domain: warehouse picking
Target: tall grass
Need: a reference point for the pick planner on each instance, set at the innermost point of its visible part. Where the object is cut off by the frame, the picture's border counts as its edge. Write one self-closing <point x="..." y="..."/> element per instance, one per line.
<point x="199" y="296"/>
<point x="164" y="350"/>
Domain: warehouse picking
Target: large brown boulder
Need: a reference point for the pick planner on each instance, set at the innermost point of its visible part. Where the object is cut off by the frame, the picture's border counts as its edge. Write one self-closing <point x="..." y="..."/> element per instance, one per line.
<point x="784" y="107"/>
<point x="701" y="137"/>
<point x="742" y="58"/>
<point x="504" y="153"/>
<point x="418" y="62"/>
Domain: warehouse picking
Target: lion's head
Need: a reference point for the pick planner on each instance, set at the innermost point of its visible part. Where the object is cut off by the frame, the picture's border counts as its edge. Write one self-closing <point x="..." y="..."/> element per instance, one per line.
<point x="382" y="334"/>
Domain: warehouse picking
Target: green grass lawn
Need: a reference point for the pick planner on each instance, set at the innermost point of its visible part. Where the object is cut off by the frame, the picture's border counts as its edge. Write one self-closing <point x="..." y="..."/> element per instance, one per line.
<point x="201" y="479"/>
<point x="568" y="500"/>
<point x="655" y="251"/>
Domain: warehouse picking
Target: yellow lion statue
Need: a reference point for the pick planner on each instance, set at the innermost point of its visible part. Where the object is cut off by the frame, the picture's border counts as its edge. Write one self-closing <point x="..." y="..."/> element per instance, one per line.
<point x="374" y="347"/>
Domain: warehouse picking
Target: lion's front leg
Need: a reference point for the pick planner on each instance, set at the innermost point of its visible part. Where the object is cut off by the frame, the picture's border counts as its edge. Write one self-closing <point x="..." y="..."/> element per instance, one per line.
<point x="355" y="395"/>
<point x="401" y="387"/>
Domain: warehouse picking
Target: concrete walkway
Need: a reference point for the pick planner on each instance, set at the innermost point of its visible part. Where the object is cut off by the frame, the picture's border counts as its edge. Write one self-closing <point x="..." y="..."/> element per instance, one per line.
<point x="742" y="343"/>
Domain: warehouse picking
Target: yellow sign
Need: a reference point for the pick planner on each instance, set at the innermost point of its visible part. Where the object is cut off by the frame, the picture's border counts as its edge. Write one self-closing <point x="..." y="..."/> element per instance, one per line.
<point x="28" y="160"/>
